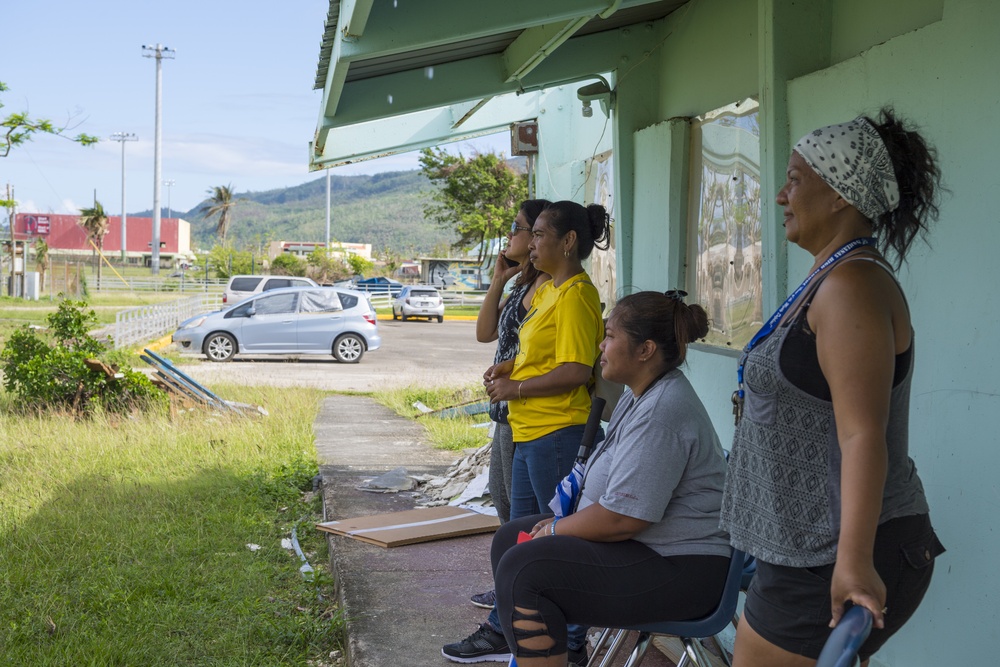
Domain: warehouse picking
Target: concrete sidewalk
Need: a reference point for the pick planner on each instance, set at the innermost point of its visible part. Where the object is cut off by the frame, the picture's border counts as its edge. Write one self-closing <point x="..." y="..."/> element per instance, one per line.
<point x="401" y="604"/>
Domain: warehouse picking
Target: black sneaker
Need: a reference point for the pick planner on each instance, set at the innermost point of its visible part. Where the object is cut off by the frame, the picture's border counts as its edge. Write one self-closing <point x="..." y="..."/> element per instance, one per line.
<point x="485" y="644"/>
<point x="578" y="657"/>
<point x="485" y="600"/>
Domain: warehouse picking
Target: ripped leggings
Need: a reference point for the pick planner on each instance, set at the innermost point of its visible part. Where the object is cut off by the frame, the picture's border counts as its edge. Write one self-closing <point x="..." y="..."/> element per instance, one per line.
<point x="560" y="579"/>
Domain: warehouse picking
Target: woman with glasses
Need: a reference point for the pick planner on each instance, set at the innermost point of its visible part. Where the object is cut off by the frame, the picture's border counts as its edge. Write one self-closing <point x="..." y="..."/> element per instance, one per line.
<point x="499" y="319"/>
<point x="546" y="385"/>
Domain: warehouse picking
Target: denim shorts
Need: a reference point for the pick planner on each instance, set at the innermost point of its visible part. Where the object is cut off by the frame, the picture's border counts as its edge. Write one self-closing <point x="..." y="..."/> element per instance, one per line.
<point x="790" y="606"/>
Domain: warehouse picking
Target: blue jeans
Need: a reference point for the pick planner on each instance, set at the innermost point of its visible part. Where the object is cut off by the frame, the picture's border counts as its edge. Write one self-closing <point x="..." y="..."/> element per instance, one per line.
<point x="539" y="466"/>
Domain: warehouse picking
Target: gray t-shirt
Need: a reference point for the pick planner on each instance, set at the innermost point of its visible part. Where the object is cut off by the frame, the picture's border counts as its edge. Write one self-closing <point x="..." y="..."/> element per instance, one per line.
<point x="662" y="462"/>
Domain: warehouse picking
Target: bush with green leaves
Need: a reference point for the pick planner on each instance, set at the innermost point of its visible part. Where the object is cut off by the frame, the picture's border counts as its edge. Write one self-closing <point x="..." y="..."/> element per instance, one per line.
<point x="287" y="264"/>
<point x="49" y="370"/>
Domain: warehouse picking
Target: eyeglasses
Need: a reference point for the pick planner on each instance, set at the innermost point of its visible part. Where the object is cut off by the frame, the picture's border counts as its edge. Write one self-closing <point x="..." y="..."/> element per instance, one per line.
<point x="515" y="228"/>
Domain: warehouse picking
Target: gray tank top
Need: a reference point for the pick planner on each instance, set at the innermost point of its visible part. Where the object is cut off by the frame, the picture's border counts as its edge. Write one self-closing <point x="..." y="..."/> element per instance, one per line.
<point x="782" y="495"/>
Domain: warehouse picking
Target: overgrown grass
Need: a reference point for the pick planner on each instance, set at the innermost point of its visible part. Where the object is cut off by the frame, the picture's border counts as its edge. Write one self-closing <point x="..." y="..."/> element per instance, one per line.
<point x="125" y="542"/>
<point x="453" y="433"/>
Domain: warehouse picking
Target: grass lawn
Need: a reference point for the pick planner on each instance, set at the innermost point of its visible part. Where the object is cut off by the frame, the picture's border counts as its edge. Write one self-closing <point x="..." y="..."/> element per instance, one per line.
<point x="125" y="542"/>
<point x="454" y="433"/>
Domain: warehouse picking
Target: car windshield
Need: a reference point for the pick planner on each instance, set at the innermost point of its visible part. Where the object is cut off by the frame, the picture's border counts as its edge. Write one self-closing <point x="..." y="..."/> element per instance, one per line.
<point x="424" y="292"/>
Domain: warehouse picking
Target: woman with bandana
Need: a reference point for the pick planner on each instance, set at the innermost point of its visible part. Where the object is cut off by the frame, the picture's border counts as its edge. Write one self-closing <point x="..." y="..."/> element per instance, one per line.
<point x="820" y="486"/>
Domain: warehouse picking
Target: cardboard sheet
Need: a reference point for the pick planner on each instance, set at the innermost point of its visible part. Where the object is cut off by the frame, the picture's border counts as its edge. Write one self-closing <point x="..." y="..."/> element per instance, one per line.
<point x="413" y="526"/>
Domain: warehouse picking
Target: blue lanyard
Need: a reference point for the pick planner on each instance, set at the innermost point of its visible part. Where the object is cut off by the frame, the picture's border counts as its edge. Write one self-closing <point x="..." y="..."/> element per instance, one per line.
<point x="772" y="323"/>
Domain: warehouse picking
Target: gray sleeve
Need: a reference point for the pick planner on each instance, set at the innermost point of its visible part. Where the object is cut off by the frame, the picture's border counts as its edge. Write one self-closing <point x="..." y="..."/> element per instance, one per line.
<point x="648" y="462"/>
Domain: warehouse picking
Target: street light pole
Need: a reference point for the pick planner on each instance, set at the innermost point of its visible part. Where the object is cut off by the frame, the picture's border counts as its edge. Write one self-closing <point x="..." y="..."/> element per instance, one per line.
<point x="122" y="137"/>
<point x="169" y="183"/>
<point x="159" y="52"/>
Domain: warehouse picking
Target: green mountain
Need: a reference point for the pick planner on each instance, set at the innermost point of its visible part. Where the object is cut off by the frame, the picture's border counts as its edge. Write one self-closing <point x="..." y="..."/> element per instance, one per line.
<point x="385" y="210"/>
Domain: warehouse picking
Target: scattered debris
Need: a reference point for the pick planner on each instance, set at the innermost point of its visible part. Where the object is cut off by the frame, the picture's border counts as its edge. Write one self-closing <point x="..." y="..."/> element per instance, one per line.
<point x="253" y="547"/>
<point x="390" y="482"/>
<point x="181" y="386"/>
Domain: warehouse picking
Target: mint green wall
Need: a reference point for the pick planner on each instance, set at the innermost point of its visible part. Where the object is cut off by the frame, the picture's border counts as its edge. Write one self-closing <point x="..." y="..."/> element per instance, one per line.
<point x="822" y="62"/>
<point x="944" y="77"/>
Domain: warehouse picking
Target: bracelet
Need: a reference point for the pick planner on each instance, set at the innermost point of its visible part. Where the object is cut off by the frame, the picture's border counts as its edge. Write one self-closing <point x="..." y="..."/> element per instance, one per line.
<point x="519" y="392"/>
<point x="552" y="526"/>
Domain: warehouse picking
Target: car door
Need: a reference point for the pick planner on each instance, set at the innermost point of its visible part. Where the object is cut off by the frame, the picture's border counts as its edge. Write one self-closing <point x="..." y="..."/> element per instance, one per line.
<point x="320" y="320"/>
<point x="271" y="327"/>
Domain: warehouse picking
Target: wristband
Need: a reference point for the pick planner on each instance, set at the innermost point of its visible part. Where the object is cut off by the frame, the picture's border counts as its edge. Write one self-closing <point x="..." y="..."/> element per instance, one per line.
<point x="519" y="391"/>
<point x="552" y="526"/>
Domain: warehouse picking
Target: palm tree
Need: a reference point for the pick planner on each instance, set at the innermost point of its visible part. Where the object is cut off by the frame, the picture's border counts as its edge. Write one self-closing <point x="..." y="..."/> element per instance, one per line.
<point x="95" y="221"/>
<point x="220" y="202"/>
<point x="42" y="260"/>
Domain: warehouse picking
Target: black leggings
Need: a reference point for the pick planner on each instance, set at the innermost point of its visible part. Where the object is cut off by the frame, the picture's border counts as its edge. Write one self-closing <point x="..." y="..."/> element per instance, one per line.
<point x="564" y="579"/>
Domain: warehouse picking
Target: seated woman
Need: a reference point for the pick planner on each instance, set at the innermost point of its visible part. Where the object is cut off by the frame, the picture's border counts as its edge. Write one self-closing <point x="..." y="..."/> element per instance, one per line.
<point x="644" y="544"/>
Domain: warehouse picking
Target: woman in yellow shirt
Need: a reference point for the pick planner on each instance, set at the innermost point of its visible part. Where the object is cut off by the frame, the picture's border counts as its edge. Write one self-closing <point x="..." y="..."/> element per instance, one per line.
<point x="546" y="386"/>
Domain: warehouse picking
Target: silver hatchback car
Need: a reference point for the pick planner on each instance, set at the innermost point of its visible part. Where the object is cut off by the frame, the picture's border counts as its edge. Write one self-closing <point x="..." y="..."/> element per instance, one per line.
<point x="418" y="301"/>
<point x="294" y="320"/>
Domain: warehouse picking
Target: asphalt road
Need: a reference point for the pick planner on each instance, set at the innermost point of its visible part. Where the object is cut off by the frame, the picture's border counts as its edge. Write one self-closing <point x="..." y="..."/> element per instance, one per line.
<point x="412" y="353"/>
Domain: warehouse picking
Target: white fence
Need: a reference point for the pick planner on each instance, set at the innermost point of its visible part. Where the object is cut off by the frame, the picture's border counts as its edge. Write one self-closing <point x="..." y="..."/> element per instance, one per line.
<point x="146" y="323"/>
<point x="382" y="299"/>
<point x="114" y="284"/>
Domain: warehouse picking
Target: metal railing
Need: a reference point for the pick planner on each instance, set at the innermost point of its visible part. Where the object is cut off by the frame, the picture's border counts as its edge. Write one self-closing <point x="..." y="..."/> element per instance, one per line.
<point x="114" y="284"/>
<point x="146" y="323"/>
<point x="450" y="297"/>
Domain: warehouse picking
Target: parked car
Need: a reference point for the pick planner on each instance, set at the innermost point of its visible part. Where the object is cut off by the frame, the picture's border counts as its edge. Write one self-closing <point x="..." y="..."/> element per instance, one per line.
<point x="293" y="320"/>
<point x="379" y="284"/>
<point x="418" y="301"/>
<point x="240" y="287"/>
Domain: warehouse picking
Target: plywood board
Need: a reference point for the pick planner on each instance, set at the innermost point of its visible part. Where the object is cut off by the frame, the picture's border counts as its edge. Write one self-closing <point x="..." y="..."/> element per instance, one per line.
<point x="413" y="526"/>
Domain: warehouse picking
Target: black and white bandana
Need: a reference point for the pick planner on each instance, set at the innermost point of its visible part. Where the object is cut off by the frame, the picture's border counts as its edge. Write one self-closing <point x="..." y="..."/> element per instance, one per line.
<point x="853" y="160"/>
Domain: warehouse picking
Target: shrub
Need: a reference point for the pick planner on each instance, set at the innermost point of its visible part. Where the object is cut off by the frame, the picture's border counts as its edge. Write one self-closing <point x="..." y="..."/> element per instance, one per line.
<point x="287" y="264"/>
<point x="49" y="371"/>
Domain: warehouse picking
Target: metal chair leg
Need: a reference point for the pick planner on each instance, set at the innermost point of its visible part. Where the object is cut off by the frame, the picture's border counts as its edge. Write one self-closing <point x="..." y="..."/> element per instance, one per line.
<point x="639" y="652"/>
<point x="602" y="640"/>
<point x="616" y="644"/>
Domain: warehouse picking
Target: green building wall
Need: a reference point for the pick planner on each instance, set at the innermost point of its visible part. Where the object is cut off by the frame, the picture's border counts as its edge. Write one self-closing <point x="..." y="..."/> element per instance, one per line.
<point x="810" y="64"/>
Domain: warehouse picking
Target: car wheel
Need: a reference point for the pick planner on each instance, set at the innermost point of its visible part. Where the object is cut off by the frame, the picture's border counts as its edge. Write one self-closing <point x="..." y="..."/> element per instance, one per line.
<point x="404" y="317"/>
<point x="394" y="315"/>
<point x="440" y="319"/>
<point x="220" y="347"/>
<point x="349" y="348"/>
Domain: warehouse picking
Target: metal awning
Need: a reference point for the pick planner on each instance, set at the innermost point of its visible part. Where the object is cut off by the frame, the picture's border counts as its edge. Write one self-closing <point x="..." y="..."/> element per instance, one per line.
<point x="425" y="60"/>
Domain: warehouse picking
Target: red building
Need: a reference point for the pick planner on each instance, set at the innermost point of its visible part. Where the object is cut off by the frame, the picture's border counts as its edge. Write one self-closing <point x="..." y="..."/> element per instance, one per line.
<point x="64" y="235"/>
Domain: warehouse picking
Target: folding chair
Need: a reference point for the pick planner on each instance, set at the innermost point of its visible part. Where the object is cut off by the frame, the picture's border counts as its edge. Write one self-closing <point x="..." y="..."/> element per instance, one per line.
<point x="688" y="631"/>
<point x="841" y="648"/>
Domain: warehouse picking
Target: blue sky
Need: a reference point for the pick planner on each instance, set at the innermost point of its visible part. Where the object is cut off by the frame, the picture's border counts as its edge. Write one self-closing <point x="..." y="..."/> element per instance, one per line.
<point x="238" y="103"/>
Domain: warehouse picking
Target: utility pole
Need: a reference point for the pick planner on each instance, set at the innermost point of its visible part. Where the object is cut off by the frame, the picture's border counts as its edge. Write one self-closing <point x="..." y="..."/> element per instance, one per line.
<point x="169" y="183"/>
<point x="13" y="243"/>
<point x="327" y="247"/>
<point x="122" y="137"/>
<point x="159" y="52"/>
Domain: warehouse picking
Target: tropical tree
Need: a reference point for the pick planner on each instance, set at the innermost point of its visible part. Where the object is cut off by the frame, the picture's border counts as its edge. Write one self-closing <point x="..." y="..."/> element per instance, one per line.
<point x="220" y="203"/>
<point x="478" y="197"/>
<point x="41" y="260"/>
<point x="18" y="128"/>
<point x="95" y="221"/>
